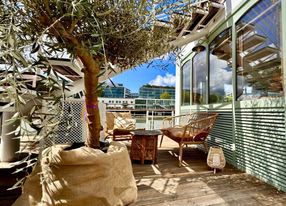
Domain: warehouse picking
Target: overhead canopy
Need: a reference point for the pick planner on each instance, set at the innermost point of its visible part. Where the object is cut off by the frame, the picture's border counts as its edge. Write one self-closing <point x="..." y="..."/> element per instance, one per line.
<point x="197" y="22"/>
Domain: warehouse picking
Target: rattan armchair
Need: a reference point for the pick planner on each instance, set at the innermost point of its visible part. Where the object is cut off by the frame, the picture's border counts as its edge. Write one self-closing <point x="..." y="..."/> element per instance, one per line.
<point x="189" y="129"/>
<point x="117" y="134"/>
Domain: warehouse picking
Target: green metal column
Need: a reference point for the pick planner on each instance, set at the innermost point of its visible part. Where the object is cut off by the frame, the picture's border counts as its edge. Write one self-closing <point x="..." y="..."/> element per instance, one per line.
<point x="283" y="36"/>
<point x="208" y="74"/>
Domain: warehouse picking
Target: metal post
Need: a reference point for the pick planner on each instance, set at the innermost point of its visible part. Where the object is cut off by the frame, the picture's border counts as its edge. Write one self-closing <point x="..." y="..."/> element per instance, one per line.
<point x="172" y="116"/>
<point x="147" y="119"/>
<point x="152" y="120"/>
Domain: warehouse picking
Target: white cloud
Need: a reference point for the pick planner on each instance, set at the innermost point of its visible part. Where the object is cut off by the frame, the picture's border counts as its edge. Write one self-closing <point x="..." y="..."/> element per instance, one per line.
<point x="167" y="80"/>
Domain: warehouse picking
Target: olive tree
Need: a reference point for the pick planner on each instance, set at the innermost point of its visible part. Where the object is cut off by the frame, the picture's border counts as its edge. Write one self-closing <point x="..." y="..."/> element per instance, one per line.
<point x="105" y="35"/>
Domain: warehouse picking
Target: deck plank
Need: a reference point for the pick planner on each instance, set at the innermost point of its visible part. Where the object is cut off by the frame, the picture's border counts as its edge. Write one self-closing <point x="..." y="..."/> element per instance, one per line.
<point x="195" y="184"/>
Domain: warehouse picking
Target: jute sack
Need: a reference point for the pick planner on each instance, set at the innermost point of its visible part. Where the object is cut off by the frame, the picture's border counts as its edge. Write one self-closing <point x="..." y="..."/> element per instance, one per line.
<point x="82" y="176"/>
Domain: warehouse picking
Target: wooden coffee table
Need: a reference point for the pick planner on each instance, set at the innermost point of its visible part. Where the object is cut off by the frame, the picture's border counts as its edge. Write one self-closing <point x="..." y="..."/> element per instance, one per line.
<point x="144" y="145"/>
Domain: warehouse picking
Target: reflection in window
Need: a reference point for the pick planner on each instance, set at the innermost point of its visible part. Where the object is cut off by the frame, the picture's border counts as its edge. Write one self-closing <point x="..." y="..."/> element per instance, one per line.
<point x="186" y="84"/>
<point x="220" y="68"/>
<point x="199" y="78"/>
<point x="259" y="72"/>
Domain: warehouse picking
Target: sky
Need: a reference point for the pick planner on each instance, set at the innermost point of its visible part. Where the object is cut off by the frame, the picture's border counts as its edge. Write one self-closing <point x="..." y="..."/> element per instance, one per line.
<point x="160" y="72"/>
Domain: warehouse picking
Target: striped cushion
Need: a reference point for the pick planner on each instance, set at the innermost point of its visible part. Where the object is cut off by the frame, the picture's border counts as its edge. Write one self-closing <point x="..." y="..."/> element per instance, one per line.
<point x="121" y="123"/>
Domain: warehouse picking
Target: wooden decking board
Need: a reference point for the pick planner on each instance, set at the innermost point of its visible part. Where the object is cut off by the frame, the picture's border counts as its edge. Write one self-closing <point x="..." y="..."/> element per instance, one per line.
<point x="202" y="194"/>
<point x="168" y="184"/>
<point x="177" y="186"/>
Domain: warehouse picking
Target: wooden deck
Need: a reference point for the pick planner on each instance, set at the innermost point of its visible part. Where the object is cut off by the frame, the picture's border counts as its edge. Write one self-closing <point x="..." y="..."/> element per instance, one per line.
<point x="195" y="184"/>
<point x="166" y="184"/>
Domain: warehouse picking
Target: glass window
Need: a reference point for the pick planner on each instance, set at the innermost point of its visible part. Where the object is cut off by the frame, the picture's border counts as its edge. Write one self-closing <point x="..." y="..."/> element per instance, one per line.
<point x="220" y="58"/>
<point x="199" y="78"/>
<point x="259" y="71"/>
<point x="186" y="71"/>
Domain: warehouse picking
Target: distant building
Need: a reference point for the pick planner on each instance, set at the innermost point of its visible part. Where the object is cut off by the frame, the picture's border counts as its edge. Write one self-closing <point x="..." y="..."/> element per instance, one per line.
<point x="154" y="92"/>
<point x="115" y="91"/>
<point x="118" y="103"/>
<point x="149" y="104"/>
<point x="134" y="95"/>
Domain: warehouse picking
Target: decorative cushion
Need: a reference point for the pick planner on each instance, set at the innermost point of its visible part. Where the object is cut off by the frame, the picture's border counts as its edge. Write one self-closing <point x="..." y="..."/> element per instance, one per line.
<point x="121" y="123"/>
<point x="201" y="136"/>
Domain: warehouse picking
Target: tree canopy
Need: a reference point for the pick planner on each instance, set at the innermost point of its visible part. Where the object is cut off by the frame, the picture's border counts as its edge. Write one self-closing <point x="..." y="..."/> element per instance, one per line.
<point x="165" y="95"/>
<point x="118" y="32"/>
<point x="102" y="34"/>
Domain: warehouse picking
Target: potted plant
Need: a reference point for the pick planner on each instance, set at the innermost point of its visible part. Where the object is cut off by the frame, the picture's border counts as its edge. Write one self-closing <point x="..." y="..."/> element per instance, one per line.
<point x="105" y="36"/>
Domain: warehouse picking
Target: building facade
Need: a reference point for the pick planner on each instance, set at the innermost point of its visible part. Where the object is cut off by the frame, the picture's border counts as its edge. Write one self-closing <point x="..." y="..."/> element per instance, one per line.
<point x="154" y="92"/>
<point x="118" y="103"/>
<point x="160" y="104"/>
<point x="239" y="72"/>
<point x="115" y="91"/>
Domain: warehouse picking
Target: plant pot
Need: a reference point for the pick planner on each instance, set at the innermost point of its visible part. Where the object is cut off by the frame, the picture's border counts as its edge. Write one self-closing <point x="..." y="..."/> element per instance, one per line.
<point x="82" y="176"/>
<point x="10" y="144"/>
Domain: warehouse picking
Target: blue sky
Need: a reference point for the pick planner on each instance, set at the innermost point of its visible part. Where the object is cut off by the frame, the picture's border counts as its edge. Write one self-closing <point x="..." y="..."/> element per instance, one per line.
<point x="160" y="72"/>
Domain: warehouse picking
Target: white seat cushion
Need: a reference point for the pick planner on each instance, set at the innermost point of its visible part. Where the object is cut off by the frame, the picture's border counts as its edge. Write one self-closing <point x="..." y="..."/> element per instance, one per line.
<point x="121" y="123"/>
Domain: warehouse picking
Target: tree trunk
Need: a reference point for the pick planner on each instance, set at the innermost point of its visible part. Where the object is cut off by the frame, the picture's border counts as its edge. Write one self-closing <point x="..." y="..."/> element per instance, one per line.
<point x="92" y="109"/>
<point x="91" y="72"/>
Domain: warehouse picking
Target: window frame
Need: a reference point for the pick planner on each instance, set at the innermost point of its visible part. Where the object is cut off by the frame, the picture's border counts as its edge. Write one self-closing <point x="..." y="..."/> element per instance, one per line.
<point x="241" y="9"/>
<point x="214" y="35"/>
<point x="183" y="63"/>
<point x="235" y="43"/>
<point x="207" y="76"/>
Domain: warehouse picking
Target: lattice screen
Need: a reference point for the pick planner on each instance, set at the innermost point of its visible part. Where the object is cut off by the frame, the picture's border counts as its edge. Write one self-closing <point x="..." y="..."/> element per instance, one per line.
<point x="72" y="124"/>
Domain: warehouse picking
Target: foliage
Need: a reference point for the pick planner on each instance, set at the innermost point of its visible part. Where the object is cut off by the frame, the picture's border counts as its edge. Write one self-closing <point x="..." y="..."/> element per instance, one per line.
<point x="155" y="86"/>
<point x="165" y="95"/>
<point x="114" y="32"/>
<point x="23" y="88"/>
<point x="103" y="35"/>
<point x="186" y="97"/>
<point x="27" y="81"/>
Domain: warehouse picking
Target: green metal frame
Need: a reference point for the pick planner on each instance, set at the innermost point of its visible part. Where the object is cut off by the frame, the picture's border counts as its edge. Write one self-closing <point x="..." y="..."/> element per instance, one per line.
<point x="283" y="22"/>
<point x="253" y="105"/>
<point x="230" y="22"/>
<point x="188" y="57"/>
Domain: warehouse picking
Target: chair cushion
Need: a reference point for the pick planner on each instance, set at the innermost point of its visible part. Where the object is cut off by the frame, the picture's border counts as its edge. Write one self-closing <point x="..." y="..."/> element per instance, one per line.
<point x="177" y="135"/>
<point x="201" y="136"/>
<point x="175" y="132"/>
<point x="121" y="123"/>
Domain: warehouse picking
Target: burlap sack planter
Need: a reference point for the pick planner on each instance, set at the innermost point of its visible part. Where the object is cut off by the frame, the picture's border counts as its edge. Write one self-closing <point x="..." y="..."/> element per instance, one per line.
<point x="82" y="176"/>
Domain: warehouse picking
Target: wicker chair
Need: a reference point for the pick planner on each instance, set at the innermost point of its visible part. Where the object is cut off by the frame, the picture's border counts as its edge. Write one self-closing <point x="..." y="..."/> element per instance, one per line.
<point x="117" y="134"/>
<point x="188" y="129"/>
